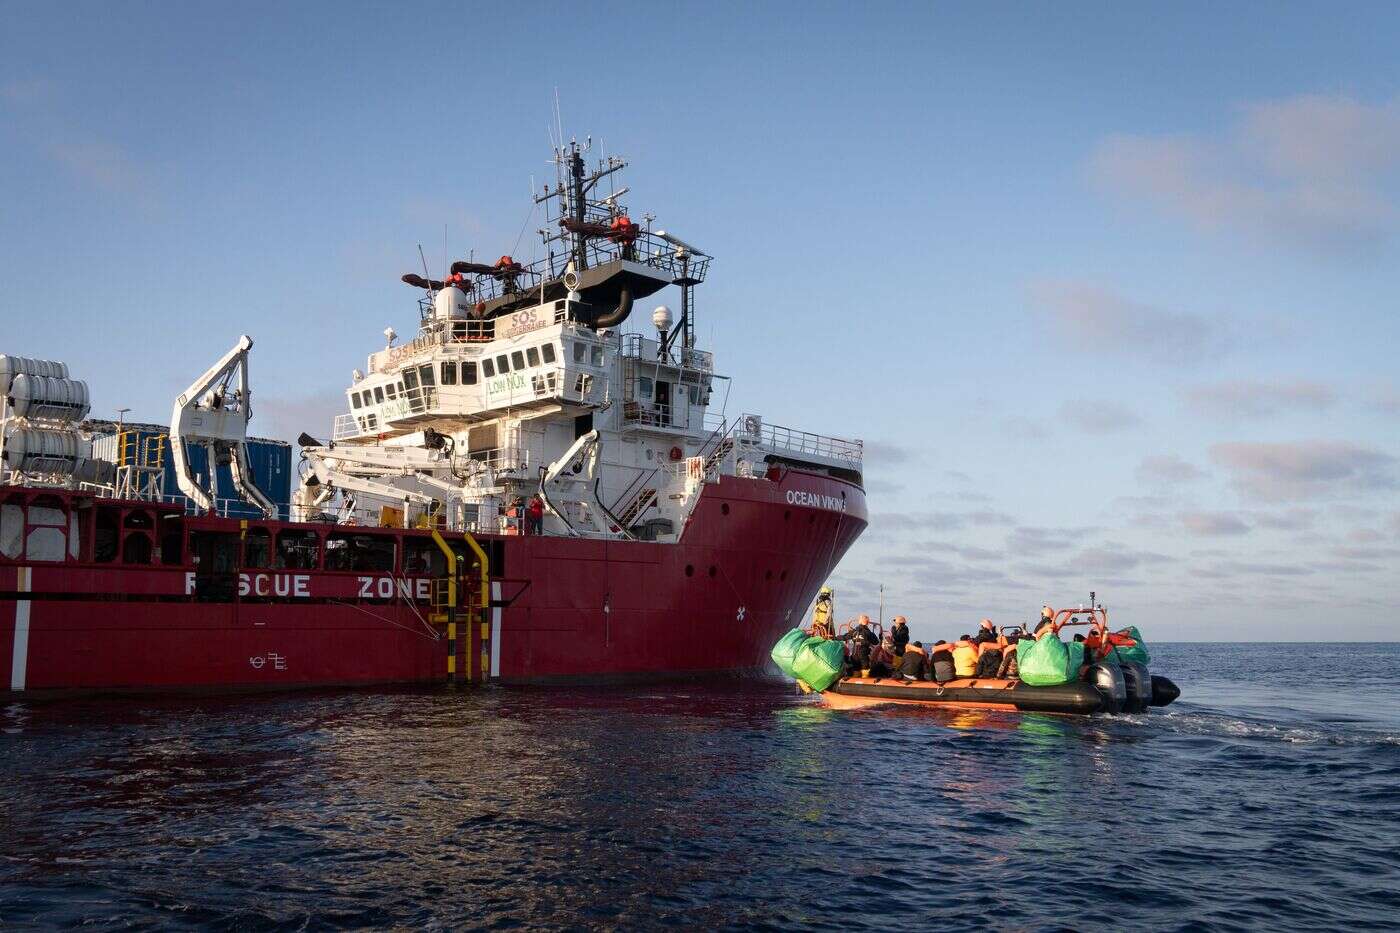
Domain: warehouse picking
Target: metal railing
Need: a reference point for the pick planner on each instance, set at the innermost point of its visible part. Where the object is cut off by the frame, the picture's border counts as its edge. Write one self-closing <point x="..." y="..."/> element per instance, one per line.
<point x="227" y="508"/>
<point x="784" y="438"/>
<point x="638" y="347"/>
<point x="497" y="459"/>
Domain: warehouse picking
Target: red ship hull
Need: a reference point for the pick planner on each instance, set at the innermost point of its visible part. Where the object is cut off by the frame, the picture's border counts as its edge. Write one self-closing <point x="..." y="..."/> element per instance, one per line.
<point x="565" y="609"/>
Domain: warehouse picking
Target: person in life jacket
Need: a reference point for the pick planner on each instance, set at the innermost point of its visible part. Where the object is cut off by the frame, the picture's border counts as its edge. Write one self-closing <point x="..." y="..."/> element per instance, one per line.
<point x="989" y="655"/>
<point x="821" y="614"/>
<point x="941" y="662"/>
<point x="985" y="632"/>
<point x="965" y="657"/>
<point x="900" y="634"/>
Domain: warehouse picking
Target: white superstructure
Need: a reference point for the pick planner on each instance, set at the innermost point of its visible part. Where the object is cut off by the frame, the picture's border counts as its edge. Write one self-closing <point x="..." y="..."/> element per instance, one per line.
<point x="521" y="381"/>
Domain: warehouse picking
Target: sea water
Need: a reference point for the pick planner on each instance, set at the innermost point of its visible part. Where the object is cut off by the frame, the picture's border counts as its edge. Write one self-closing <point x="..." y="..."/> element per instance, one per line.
<point x="1267" y="798"/>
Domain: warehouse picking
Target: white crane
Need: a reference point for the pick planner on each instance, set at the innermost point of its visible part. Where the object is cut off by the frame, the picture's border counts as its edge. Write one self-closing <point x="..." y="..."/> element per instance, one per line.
<point x="214" y="412"/>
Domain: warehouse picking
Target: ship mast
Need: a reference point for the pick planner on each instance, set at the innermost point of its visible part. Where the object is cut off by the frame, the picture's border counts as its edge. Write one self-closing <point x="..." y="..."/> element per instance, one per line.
<point x="574" y="185"/>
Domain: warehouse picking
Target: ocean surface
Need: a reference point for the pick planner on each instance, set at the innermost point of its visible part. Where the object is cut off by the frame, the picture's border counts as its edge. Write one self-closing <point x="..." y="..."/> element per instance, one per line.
<point x="1267" y="798"/>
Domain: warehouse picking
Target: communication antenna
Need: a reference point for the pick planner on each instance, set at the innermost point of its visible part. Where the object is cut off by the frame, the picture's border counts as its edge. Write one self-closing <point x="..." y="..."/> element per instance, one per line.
<point x="558" y="118"/>
<point x="882" y="605"/>
<point x="424" y="259"/>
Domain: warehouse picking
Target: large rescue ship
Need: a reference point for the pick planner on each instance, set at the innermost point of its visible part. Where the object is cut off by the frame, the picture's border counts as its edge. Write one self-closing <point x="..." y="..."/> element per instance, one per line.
<point x="523" y="492"/>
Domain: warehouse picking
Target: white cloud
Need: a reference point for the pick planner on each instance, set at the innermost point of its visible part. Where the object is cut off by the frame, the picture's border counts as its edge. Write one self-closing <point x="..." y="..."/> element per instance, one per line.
<point x="1245" y="399"/>
<point x="1311" y="171"/>
<point x="1097" y="417"/>
<point x="1212" y="524"/>
<point x="1279" y="472"/>
<point x="1167" y="470"/>
<point x="1095" y="319"/>
<point x="102" y="165"/>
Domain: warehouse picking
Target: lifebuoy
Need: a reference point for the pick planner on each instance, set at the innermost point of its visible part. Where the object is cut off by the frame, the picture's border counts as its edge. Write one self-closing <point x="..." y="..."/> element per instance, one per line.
<point x="676" y="454"/>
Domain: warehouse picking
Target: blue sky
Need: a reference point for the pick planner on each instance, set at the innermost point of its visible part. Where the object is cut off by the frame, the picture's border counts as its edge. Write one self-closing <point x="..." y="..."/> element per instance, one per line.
<point x="1110" y="291"/>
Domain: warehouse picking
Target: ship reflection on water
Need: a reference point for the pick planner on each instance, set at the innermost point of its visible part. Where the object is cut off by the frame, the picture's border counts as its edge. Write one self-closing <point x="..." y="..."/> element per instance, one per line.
<point x="734" y="804"/>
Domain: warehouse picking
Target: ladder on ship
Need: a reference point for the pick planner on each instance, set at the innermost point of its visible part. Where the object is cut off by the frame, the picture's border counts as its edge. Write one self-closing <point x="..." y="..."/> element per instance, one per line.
<point x="462" y="596"/>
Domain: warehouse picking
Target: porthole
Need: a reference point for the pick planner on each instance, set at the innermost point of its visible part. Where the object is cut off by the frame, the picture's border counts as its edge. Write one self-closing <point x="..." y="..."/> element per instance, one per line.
<point x="724" y="508"/>
<point x="690" y="570"/>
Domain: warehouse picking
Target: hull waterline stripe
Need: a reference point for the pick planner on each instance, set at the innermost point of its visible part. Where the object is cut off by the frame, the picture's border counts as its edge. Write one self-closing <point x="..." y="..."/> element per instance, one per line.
<point x="19" y="660"/>
<point x="495" y="630"/>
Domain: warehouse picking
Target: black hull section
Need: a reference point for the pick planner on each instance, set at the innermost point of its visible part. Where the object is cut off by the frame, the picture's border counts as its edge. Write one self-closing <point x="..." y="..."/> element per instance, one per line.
<point x="1076" y="698"/>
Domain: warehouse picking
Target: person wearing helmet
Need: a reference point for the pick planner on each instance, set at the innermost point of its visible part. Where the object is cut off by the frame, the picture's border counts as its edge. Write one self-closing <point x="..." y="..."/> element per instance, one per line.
<point x="986" y="632"/>
<point x="900" y="634"/>
<point x="822" y="624"/>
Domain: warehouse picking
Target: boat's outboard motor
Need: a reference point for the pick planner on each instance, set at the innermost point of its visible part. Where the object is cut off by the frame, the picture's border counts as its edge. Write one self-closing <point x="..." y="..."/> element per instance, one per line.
<point x="1163" y="690"/>
<point x="1108" y="681"/>
<point x="1139" y="687"/>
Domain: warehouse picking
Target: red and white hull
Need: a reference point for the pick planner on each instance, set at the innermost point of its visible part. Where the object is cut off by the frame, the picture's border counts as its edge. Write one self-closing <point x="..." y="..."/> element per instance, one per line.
<point x="750" y="560"/>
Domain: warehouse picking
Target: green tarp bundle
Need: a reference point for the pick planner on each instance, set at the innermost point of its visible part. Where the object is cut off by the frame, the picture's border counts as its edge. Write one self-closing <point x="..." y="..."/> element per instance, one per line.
<point x="785" y="651"/>
<point x="1137" y="652"/>
<point x="818" y="663"/>
<point x="1049" y="661"/>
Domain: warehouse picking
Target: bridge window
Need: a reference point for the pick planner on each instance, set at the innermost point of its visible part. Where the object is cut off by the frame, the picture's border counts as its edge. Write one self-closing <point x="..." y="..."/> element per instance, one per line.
<point x="597" y="356"/>
<point x="517" y="361"/>
<point x="389" y="390"/>
<point x="449" y="374"/>
<point x="644" y="387"/>
<point x="468" y="373"/>
<point x="257" y="549"/>
<point x="410" y="378"/>
<point x="354" y="400"/>
<point x="533" y="355"/>
<point x="298" y="550"/>
<point x="502" y="366"/>
<point x="360" y="552"/>
<point x="488" y="368"/>
<point x="378" y="395"/>
<point x="548" y="351"/>
<point x="580" y="352"/>
<point x="425" y="374"/>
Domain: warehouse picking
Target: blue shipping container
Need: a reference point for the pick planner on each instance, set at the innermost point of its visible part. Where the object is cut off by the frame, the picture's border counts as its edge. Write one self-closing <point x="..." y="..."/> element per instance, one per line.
<point x="270" y="460"/>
